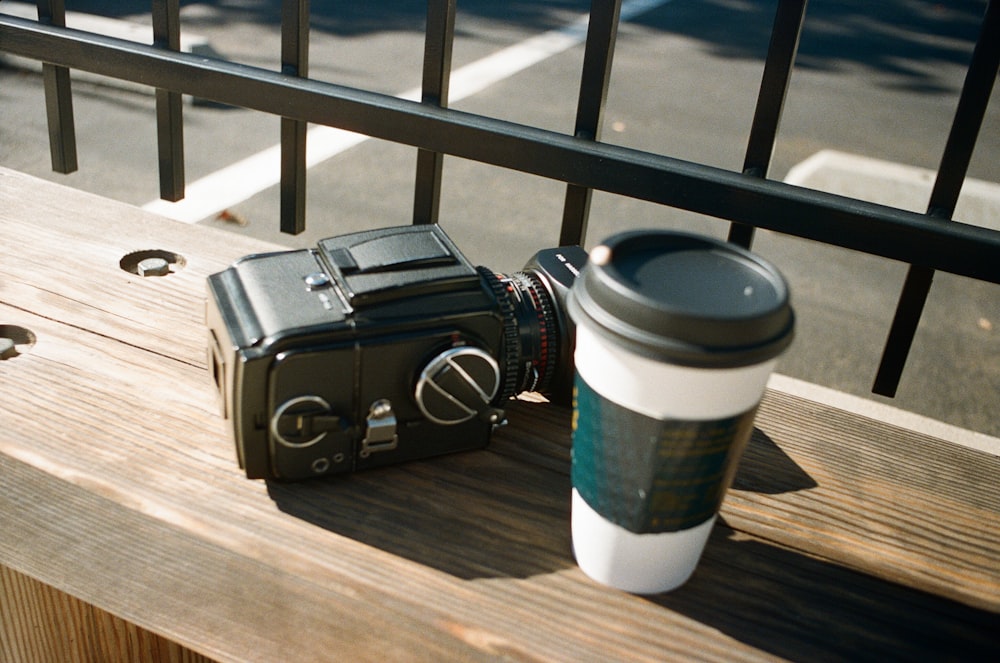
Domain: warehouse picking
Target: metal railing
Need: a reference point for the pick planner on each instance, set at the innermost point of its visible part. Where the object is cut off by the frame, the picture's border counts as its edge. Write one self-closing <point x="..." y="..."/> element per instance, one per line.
<point x="747" y="199"/>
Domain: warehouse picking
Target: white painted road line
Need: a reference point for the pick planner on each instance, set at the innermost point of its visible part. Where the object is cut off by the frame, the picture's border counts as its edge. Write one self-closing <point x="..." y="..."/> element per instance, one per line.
<point x="893" y="184"/>
<point x="237" y="182"/>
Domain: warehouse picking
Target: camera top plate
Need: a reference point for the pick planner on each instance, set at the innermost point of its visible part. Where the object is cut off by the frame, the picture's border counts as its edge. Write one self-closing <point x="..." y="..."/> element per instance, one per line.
<point x="394" y="263"/>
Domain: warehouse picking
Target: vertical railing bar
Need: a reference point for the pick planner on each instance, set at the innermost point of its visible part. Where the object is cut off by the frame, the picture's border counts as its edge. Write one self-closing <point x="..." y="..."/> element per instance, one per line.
<point x="784" y="45"/>
<point x="294" y="62"/>
<point x="602" y="32"/>
<point x="976" y="91"/>
<point x="58" y="97"/>
<point x="975" y="97"/>
<point x="438" y="41"/>
<point x="169" y="109"/>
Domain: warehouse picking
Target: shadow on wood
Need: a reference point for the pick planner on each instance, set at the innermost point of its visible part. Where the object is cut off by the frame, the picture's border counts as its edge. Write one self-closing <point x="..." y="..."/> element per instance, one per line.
<point x="502" y="512"/>
<point x="784" y="602"/>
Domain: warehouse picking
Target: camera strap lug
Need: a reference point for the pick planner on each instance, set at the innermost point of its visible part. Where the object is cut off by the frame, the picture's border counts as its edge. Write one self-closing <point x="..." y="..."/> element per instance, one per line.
<point x="380" y="434"/>
<point x="304" y="421"/>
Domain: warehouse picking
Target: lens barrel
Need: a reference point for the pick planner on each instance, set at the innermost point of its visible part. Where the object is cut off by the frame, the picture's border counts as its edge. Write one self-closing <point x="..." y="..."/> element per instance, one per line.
<point x="531" y="332"/>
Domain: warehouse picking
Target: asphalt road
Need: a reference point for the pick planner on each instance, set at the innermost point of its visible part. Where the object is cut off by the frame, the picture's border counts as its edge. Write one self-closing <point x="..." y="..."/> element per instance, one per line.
<point x="874" y="79"/>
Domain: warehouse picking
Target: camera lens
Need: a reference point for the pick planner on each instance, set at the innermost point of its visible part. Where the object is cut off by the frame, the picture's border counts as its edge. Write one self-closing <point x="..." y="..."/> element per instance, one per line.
<point x="530" y="355"/>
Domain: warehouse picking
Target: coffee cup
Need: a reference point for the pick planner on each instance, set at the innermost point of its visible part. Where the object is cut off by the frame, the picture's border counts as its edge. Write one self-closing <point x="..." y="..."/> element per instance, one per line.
<point x="676" y="336"/>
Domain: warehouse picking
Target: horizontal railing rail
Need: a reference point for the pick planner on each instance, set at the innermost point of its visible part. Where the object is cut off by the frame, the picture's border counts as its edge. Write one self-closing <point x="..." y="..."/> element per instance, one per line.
<point x="747" y="199"/>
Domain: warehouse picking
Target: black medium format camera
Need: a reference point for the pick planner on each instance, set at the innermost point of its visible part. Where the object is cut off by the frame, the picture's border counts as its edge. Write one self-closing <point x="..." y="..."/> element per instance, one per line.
<point x="380" y="347"/>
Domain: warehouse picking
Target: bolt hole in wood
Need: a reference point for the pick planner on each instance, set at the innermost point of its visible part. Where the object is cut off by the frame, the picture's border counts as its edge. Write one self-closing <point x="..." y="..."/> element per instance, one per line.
<point x="153" y="262"/>
<point x="15" y="341"/>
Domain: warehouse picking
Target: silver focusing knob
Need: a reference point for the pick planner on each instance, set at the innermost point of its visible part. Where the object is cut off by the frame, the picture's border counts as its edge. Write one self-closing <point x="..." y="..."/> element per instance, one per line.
<point x="460" y="384"/>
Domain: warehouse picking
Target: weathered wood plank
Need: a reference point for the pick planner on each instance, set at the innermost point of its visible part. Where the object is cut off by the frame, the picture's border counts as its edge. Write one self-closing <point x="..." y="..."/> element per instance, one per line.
<point x="53" y="627"/>
<point x="61" y="252"/>
<point x="891" y="502"/>
<point x="118" y="486"/>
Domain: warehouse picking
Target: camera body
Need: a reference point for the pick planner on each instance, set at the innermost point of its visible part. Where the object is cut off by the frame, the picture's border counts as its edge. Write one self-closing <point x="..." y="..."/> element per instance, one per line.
<point x="380" y="347"/>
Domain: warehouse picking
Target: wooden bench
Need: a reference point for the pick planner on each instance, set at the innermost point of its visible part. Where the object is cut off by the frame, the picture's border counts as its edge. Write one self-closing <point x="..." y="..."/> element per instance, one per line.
<point x="127" y="531"/>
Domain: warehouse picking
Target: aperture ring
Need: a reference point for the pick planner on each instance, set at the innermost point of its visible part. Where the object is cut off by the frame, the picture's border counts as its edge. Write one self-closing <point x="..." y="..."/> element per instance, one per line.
<point x="511" y="355"/>
<point x="543" y="359"/>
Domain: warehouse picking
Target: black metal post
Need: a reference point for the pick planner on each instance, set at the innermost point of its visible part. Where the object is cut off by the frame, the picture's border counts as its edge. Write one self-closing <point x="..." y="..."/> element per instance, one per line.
<point x="294" y="62"/>
<point x="972" y="103"/>
<point x="169" y="109"/>
<point x="58" y="97"/>
<point x="771" y="99"/>
<point x="438" y="40"/>
<point x="602" y="31"/>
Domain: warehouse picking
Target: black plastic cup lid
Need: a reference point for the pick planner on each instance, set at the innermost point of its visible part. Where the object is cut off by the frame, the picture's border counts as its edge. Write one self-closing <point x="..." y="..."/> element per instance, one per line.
<point x="684" y="299"/>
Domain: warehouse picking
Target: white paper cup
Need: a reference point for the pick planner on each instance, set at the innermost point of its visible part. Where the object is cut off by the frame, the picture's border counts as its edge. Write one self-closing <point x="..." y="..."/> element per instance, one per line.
<point x="676" y="336"/>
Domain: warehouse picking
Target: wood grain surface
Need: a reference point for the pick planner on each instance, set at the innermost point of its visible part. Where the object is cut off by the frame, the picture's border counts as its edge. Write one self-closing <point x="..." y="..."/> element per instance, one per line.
<point x="50" y="625"/>
<point x="843" y="537"/>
